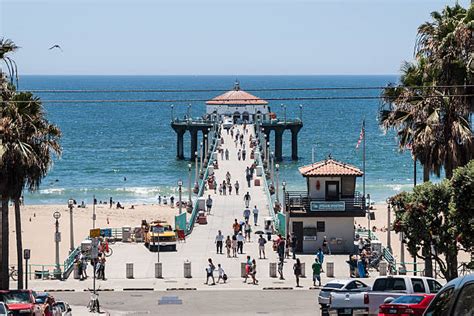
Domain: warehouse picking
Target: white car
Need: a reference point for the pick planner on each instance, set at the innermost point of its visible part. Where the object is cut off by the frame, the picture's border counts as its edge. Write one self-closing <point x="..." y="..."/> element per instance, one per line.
<point x="64" y="308"/>
<point x="340" y="286"/>
<point x="228" y="123"/>
<point x="3" y="309"/>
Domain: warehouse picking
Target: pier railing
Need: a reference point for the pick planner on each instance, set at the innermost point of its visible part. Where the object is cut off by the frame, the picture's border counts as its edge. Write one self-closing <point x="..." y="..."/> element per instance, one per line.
<point x="202" y="184"/>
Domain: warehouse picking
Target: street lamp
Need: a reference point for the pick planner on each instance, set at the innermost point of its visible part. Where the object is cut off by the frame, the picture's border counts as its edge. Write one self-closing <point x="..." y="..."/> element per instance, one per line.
<point x="272" y="165"/>
<point x="200" y="158"/>
<point x="94" y="217"/>
<point x="277" y="166"/>
<point x="70" y="204"/>
<point x="196" y="165"/>
<point x="301" y="112"/>
<point x="267" y="147"/>
<point x="368" y="216"/>
<point x="57" y="239"/>
<point x="172" y="112"/>
<point x="285" y="209"/>
<point x="389" y="238"/>
<point x="180" y="184"/>
<point x="189" y="110"/>
<point x="189" y="183"/>
<point x="205" y="144"/>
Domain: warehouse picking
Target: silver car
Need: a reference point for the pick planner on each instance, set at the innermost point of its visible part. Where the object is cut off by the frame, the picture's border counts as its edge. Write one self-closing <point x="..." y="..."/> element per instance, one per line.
<point x="3" y="309"/>
<point x="63" y="308"/>
<point x="342" y="285"/>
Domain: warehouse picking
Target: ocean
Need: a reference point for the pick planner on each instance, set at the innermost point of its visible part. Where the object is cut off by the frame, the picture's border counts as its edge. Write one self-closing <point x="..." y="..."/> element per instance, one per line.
<point x="127" y="150"/>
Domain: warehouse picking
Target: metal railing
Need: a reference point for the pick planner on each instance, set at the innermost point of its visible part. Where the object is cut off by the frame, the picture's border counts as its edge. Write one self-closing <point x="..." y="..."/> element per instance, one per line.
<point x="300" y="199"/>
<point x="280" y="121"/>
<point x="69" y="262"/>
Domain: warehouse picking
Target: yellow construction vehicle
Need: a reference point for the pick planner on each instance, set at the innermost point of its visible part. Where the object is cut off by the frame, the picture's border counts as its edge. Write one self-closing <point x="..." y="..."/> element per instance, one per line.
<point x="159" y="234"/>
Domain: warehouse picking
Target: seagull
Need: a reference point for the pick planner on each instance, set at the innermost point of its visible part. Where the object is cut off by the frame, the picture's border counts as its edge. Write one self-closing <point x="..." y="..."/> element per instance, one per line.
<point x="55" y="46"/>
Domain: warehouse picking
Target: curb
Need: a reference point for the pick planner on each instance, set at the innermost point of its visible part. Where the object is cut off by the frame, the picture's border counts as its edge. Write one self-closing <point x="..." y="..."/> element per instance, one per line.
<point x="138" y="289"/>
<point x="100" y="290"/>
<point x="278" y="288"/>
<point x="181" y="289"/>
<point x="59" y="290"/>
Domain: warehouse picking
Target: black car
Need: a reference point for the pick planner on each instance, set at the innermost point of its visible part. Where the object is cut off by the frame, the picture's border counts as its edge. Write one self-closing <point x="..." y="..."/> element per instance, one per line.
<point x="455" y="298"/>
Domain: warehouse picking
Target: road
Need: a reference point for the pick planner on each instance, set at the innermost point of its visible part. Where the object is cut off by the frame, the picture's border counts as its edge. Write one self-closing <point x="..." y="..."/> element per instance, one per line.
<point x="211" y="302"/>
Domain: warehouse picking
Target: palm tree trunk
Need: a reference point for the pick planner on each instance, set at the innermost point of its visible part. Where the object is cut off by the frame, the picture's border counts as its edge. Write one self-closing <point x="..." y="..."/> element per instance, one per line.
<point x="426" y="251"/>
<point x="426" y="173"/>
<point x="4" y="266"/>
<point x="19" y="244"/>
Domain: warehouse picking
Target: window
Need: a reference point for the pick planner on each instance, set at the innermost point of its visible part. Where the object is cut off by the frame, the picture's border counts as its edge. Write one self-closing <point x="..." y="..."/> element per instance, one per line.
<point x="465" y="302"/>
<point x="418" y="286"/>
<point x="351" y="286"/>
<point x="309" y="231"/>
<point x="441" y="303"/>
<point x="347" y="186"/>
<point x="332" y="190"/>
<point x="434" y="286"/>
<point x="321" y="227"/>
<point x="360" y="285"/>
<point x="389" y="284"/>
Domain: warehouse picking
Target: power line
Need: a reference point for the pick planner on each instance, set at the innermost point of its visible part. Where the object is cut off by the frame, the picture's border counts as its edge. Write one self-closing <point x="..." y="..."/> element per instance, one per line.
<point x="252" y="90"/>
<point x="224" y="100"/>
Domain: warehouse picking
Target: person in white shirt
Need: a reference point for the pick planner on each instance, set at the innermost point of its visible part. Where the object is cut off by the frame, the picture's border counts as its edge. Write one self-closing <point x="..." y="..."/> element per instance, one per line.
<point x="221" y="272"/>
<point x="255" y="215"/>
<point x="240" y="243"/>
<point x="219" y="241"/>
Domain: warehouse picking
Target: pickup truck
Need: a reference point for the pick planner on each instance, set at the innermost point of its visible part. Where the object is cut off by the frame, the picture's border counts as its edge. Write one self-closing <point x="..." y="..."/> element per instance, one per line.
<point x="367" y="303"/>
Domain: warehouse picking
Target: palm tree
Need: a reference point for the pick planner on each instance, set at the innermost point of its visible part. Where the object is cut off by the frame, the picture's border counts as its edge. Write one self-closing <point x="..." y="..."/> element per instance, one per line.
<point x="30" y="142"/>
<point x="8" y="46"/>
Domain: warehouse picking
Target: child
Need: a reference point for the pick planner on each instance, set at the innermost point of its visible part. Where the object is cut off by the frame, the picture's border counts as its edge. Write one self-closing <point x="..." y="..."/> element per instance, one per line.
<point x="222" y="275"/>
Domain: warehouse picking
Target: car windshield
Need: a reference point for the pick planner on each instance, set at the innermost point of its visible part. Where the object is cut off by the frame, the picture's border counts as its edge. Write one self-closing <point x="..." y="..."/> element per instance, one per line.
<point x="15" y="297"/>
<point x="2" y="309"/>
<point x="389" y="284"/>
<point x="409" y="299"/>
<point x="333" y="285"/>
<point x="41" y="299"/>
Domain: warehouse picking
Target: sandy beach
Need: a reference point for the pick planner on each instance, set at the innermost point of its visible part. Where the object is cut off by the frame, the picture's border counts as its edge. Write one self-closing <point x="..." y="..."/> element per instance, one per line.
<point x="38" y="226"/>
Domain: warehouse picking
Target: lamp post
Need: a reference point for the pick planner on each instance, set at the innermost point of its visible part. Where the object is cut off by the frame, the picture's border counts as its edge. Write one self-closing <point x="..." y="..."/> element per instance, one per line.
<point x="205" y="145"/>
<point x="284" y="109"/>
<point x="267" y="147"/>
<point x="57" y="239"/>
<point x="197" y="166"/>
<point x="70" y="204"/>
<point x="172" y="112"/>
<point x="93" y="212"/>
<point x="189" y="183"/>
<point x="272" y="166"/>
<point x="285" y="209"/>
<point x="180" y="185"/>
<point x="389" y="227"/>
<point x="301" y="112"/>
<point x="200" y="158"/>
<point x="368" y="216"/>
<point x="277" y="166"/>
<point x="402" y="253"/>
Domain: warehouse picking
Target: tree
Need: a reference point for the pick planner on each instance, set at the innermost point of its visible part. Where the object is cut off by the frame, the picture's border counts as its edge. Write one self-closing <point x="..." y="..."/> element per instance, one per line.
<point x="8" y="46"/>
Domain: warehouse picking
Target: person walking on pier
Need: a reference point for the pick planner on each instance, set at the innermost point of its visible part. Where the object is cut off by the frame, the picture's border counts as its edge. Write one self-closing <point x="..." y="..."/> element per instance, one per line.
<point x="224" y="187"/>
<point x="240" y="243"/>
<point x="237" y="186"/>
<point x="230" y="188"/>
<point x="236" y="227"/>
<point x="248" y="177"/>
<point x="209" y="204"/>
<point x="243" y="153"/>
<point x="239" y="154"/>
<point x="316" y="272"/>
<point x="220" y="189"/>
<point x="219" y="241"/>
<point x="222" y="154"/>
<point x="210" y="272"/>
<point x="246" y="214"/>
<point x="293" y="242"/>
<point x="253" y="272"/>
<point x="221" y="273"/>
<point x="261" y="246"/>
<point x="226" y="154"/>
<point x="247" y="230"/>
<point x="255" y="215"/>
<point x="234" y="246"/>
<point x="248" y="266"/>
<point x="247" y="199"/>
<point x="228" y="245"/>
<point x="297" y="271"/>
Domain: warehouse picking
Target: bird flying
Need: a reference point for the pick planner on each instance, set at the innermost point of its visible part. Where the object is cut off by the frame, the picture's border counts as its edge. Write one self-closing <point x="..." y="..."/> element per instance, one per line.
<point x="55" y="46"/>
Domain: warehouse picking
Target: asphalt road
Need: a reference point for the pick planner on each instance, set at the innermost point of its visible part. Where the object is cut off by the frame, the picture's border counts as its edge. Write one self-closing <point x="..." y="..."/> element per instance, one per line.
<point x="212" y="302"/>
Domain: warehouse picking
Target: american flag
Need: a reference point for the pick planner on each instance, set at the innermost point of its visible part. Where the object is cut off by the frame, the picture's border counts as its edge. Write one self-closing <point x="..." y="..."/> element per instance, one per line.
<point x="362" y="135"/>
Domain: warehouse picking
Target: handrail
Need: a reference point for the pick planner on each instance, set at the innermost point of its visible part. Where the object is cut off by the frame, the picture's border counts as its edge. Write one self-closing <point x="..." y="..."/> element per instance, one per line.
<point x="69" y="262"/>
<point x="192" y="220"/>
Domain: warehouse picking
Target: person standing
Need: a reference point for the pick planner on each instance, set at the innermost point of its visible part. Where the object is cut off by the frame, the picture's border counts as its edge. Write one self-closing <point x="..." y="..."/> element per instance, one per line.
<point x="261" y="246"/>
<point x="281" y="248"/>
<point x="228" y="246"/>
<point x="255" y="215"/>
<point x="316" y="272"/>
<point x="221" y="273"/>
<point x="220" y="189"/>
<point x="240" y="243"/>
<point x="112" y="202"/>
<point x="236" y="227"/>
<point x="248" y="177"/>
<point x="244" y="153"/>
<point x="294" y="242"/>
<point x="224" y="187"/>
<point x="219" y="241"/>
<point x="222" y="151"/>
<point x="226" y="154"/>
<point x="246" y="214"/>
<point x="247" y="199"/>
<point x="234" y="246"/>
<point x="326" y="247"/>
<point x="209" y="204"/>
<point x="248" y="267"/>
<point x="210" y="272"/>
<point x="280" y="269"/>
<point x="230" y="188"/>
<point x="253" y="272"/>
<point x="247" y="230"/>
<point x="297" y="271"/>
<point x="237" y="186"/>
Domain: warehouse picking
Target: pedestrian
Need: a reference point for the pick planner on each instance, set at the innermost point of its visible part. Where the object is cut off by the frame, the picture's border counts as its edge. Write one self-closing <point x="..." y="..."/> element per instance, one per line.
<point x="224" y="188"/>
<point x="236" y="227"/>
<point x="172" y="201"/>
<point x="210" y="272"/>
<point x="248" y="266"/>
<point x="253" y="272"/>
<point x="222" y="153"/>
<point x="294" y="242"/>
<point x="237" y="186"/>
<point x="214" y="184"/>
<point x="240" y="243"/>
<point x="230" y="188"/>
<point x="248" y="177"/>
<point x="239" y="154"/>
<point x="226" y="154"/>
<point x="261" y="246"/>
<point x="247" y="230"/>
<point x="360" y="267"/>
<point x="244" y="152"/>
<point x="297" y="271"/>
<point x="247" y="199"/>
<point x="220" y="189"/>
<point x="221" y="273"/>
<point x="316" y="272"/>
<point x="326" y="248"/>
<point x="79" y="268"/>
<point x="288" y="245"/>
<point x="361" y="244"/>
<point x="228" y="246"/>
<point x="209" y="204"/>
<point x="320" y="256"/>
<point x="83" y="265"/>
<point x="281" y="248"/>
<point x="101" y="270"/>
<point x="111" y="202"/>
<point x="255" y="215"/>
<point x="246" y="214"/>
<point x="234" y="246"/>
<point x="219" y="241"/>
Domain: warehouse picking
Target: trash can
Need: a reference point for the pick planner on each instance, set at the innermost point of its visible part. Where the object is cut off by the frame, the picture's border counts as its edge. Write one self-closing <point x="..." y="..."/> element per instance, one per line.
<point x="158" y="270"/>
<point x="273" y="270"/>
<point x="330" y="269"/>
<point x="126" y="234"/>
<point x="303" y="272"/>
<point x="243" y="272"/>
<point x="187" y="269"/>
<point x="76" y="272"/>
<point x="129" y="270"/>
<point x="383" y="268"/>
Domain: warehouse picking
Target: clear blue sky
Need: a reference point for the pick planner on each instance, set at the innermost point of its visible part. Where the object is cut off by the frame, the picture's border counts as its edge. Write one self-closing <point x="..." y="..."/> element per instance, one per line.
<point x="161" y="37"/>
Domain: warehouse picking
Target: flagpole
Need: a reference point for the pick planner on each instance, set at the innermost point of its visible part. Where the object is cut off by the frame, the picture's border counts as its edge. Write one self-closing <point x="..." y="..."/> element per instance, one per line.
<point x="363" y="183"/>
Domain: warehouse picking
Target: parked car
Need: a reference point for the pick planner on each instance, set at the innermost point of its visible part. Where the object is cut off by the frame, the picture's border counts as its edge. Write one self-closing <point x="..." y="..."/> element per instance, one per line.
<point x="45" y="302"/>
<point x="228" y="123"/>
<point x="4" y="310"/>
<point x="414" y="304"/>
<point x="20" y="302"/>
<point x="455" y="298"/>
<point x="339" y="286"/>
<point x="367" y="303"/>
<point x="64" y="308"/>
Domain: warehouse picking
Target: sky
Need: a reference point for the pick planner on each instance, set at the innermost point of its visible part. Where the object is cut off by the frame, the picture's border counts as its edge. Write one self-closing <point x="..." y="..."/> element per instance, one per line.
<point x="214" y="37"/>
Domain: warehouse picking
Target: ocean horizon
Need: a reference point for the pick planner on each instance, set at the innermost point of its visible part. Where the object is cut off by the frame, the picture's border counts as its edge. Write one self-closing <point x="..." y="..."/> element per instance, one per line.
<point x="106" y="143"/>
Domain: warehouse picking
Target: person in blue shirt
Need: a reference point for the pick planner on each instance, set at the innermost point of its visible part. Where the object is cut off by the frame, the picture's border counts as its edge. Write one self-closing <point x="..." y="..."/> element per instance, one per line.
<point x="320" y="256"/>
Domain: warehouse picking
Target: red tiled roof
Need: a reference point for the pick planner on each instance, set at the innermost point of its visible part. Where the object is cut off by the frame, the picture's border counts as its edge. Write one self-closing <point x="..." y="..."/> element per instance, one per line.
<point x="238" y="97"/>
<point x="330" y="167"/>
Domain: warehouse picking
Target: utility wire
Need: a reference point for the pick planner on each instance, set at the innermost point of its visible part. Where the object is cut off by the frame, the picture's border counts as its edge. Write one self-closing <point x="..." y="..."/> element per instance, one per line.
<point x="227" y="100"/>
<point x="252" y="90"/>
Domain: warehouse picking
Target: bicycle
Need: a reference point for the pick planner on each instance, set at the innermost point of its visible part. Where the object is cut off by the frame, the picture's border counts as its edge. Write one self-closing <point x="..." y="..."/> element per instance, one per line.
<point x="13" y="273"/>
<point x="93" y="305"/>
<point x="105" y="249"/>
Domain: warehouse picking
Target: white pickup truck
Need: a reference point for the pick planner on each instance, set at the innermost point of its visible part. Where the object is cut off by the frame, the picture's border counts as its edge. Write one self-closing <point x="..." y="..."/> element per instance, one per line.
<point x="367" y="303"/>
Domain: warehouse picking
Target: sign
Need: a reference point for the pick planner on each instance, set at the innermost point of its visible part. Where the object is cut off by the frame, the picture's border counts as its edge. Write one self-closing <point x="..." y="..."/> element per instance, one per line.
<point x="310" y="238"/>
<point x="26" y="254"/>
<point x="93" y="233"/>
<point x="327" y="206"/>
<point x="57" y="237"/>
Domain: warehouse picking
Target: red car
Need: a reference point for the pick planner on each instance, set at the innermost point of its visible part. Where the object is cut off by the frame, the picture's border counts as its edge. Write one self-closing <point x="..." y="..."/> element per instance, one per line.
<point x="407" y="305"/>
<point x="20" y="302"/>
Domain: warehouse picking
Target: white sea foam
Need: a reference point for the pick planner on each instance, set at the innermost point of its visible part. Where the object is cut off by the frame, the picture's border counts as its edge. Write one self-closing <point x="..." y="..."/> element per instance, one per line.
<point x="52" y="191"/>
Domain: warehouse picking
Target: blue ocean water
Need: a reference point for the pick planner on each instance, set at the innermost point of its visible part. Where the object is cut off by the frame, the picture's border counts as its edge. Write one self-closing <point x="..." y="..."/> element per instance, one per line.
<point x="104" y="143"/>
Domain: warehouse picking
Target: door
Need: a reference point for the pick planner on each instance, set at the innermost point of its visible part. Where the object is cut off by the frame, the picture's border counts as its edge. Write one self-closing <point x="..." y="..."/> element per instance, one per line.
<point x="298" y="231"/>
<point x="332" y="190"/>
